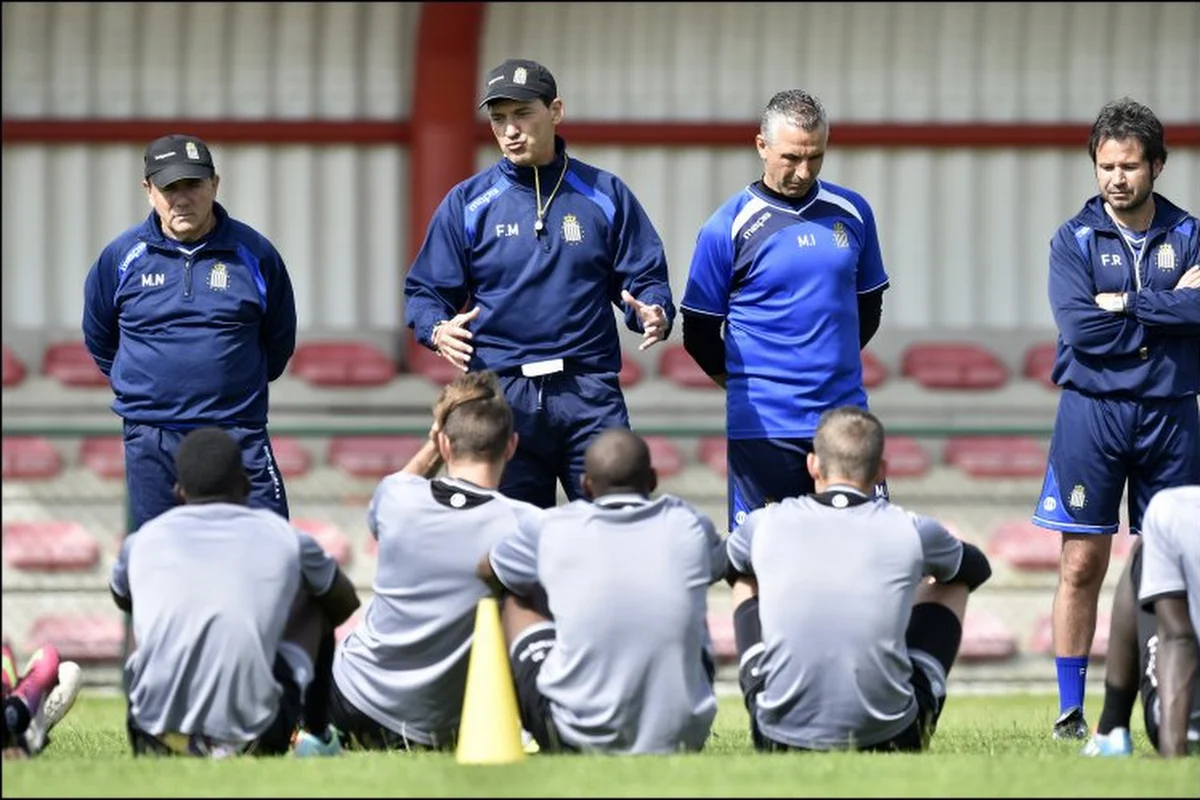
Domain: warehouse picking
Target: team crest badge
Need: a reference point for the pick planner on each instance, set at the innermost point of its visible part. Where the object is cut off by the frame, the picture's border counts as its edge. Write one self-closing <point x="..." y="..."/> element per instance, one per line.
<point x="571" y="230"/>
<point x="192" y="151"/>
<point x="840" y="238"/>
<point x="520" y="76"/>
<point x="1164" y="257"/>
<point x="1078" y="498"/>
<point x="218" y="277"/>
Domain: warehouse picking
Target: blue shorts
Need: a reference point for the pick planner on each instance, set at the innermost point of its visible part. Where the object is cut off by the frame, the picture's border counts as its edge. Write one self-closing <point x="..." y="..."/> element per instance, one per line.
<point x="1103" y="445"/>
<point x="150" y="470"/>
<point x="555" y="417"/>
<point x="763" y="471"/>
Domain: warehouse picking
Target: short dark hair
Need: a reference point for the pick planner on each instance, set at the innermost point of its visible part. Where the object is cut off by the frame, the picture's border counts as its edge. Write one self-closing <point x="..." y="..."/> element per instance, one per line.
<point x="208" y="464"/>
<point x="475" y="417"/>
<point x="1129" y="119"/>
<point x="618" y="458"/>
<point x="849" y="444"/>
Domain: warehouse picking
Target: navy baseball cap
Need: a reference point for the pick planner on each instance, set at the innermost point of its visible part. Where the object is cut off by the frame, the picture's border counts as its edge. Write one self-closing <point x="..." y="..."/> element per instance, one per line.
<point x="519" y="79"/>
<point x="177" y="157"/>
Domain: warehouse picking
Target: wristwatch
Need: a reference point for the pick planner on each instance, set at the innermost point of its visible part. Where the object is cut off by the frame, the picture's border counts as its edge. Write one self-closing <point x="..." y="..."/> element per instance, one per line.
<point x="433" y="334"/>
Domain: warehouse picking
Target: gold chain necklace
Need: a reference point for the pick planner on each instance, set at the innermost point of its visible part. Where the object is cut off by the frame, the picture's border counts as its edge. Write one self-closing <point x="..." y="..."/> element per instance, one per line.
<point x="540" y="226"/>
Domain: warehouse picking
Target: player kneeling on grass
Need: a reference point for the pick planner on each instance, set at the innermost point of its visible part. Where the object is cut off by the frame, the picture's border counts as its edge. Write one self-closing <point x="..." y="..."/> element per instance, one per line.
<point x="36" y="699"/>
<point x="232" y="608"/>
<point x="400" y="675"/>
<point x="606" y="616"/>
<point x="855" y="642"/>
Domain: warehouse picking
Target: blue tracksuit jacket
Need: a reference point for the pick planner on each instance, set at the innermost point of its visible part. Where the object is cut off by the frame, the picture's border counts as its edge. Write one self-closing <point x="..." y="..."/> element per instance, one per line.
<point x="540" y="297"/>
<point x="190" y="334"/>
<point x="1153" y="350"/>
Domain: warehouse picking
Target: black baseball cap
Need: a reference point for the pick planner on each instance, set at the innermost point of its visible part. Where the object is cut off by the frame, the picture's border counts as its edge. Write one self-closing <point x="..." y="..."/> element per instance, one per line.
<point x="519" y="79"/>
<point x="176" y="157"/>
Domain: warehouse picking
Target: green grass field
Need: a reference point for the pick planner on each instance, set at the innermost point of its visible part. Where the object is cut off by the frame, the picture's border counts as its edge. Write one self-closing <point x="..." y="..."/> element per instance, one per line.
<point x="986" y="746"/>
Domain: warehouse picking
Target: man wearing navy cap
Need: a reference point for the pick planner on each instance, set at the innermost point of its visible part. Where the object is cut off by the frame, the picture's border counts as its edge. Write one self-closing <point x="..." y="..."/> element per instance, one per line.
<point x="519" y="271"/>
<point x="190" y="314"/>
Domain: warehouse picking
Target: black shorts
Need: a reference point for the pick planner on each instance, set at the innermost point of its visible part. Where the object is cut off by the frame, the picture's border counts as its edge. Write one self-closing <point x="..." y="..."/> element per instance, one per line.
<point x="367" y="734"/>
<point x="933" y="637"/>
<point x="529" y="652"/>
<point x="276" y="740"/>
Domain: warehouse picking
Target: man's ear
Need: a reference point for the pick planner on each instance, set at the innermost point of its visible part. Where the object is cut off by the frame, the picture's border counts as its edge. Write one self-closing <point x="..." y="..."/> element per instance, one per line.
<point x="216" y="179"/>
<point x="180" y="497"/>
<point x="881" y="476"/>
<point x="443" y="446"/>
<point x="585" y="485"/>
<point x="511" y="449"/>
<point x="652" y="482"/>
<point x="814" y="466"/>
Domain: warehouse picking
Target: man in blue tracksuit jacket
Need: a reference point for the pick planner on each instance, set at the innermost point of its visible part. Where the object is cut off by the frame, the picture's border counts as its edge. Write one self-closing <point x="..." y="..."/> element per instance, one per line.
<point x="518" y="273"/>
<point x="190" y="314"/>
<point x="1125" y="292"/>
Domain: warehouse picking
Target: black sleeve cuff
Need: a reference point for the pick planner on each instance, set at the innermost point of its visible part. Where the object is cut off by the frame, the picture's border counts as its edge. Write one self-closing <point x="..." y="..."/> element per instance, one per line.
<point x="975" y="568"/>
<point x="703" y="342"/>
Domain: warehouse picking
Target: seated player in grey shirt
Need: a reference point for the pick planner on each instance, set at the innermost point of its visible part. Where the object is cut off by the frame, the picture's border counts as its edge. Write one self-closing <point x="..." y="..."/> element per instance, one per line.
<point x="230" y="605"/>
<point x="400" y="675"/>
<point x="854" y="642"/>
<point x="616" y="657"/>
<point x="1152" y="638"/>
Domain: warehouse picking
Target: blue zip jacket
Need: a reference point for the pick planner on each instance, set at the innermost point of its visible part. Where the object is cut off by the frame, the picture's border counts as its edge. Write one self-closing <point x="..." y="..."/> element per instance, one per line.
<point x="189" y="340"/>
<point x="540" y="297"/>
<point x="1152" y="350"/>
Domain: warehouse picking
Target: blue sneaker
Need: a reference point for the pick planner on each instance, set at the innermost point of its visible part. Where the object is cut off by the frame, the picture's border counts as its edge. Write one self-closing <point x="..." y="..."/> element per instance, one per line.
<point x="1116" y="743"/>
<point x="307" y="745"/>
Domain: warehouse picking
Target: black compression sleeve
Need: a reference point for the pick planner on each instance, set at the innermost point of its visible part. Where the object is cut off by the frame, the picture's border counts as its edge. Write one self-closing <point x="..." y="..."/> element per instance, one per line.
<point x="702" y="339"/>
<point x="870" y="312"/>
<point x="975" y="568"/>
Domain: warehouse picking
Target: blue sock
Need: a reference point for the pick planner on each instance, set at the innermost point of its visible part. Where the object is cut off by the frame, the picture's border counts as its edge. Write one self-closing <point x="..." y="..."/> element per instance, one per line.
<point x="1072" y="676"/>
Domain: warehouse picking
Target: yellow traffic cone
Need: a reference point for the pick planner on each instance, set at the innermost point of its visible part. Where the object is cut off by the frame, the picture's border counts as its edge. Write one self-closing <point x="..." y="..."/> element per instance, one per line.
<point x="490" y="731"/>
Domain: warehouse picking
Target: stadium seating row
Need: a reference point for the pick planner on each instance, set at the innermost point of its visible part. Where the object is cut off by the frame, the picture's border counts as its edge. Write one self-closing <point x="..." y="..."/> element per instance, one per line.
<point x="37" y="458"/>
<point x="93" y="638"/>
<point x="60" y="545"/>
<point x="933" y="365"/>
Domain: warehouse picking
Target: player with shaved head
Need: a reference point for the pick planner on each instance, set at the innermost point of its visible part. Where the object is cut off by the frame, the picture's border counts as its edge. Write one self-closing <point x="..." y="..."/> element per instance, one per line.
<point x="615" y="656"/>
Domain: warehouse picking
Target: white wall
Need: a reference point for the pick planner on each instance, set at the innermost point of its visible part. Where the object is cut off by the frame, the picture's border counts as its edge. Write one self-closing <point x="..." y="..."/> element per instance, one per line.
<point x="964" y="232"/>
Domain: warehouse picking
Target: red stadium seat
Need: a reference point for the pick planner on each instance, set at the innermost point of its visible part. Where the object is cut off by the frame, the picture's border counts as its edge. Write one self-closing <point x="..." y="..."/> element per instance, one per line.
<point x="1042" y="640"/>
<point x="1023" y="545"/>
<point x="373" y="456"/>
<point x="1039" y="361"/>
<point x="631" y="371"/>
<point x="997" y="456"/>
<point x="712" y="450"/>
<point x="986" y="638"/>
<point x="291" y="457"/>
<point x="30" y="458"/>
<point x="71" y="365"/>
<point x="664" y="456"/>
<point x="720" y="628"/>
<point x="14" y="368"/>
<point x="86" y="638"/>
<point x="104" y="456"/>
<point x="328" y="535"/>
<point x="906" y="458"/>
<point x="428" y="364"/>
<point x="875" y="372"/>
<point x="342" y="364"/>
<point x="50" y="546"/>
<point x="677" y="365"/>
<point x="950" y="365"/>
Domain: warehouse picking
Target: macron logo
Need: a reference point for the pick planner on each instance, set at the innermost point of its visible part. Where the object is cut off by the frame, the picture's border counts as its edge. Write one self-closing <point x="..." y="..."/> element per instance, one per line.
<point x="164" y="155"/>
<point x="497" y="78"/>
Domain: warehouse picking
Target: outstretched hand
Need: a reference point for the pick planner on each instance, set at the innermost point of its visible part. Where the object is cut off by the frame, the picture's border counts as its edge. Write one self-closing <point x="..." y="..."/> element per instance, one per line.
<point x="653" y="318"/>
<point x="452" y="339"/>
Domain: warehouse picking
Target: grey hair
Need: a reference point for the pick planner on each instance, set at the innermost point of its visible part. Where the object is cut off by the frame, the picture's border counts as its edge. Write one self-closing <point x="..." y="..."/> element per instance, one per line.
<point x="795" y="107"/>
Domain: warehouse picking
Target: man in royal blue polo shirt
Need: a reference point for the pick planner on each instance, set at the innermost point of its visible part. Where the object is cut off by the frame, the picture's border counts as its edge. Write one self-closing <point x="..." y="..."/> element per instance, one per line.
<point x="518" y="273"/>
<point x="790" y="269"/>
